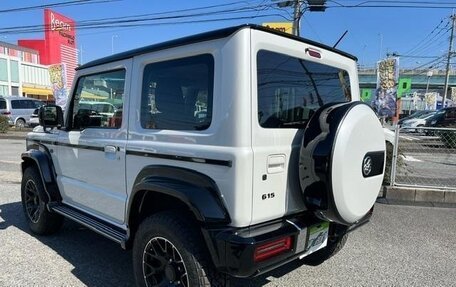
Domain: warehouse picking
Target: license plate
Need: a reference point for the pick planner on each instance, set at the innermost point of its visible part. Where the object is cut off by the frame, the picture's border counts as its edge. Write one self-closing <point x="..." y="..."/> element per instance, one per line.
<point x="318" y="238"/>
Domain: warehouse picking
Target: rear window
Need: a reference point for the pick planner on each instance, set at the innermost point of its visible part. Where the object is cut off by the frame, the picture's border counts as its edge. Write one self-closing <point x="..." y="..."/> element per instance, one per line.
<point x="2" y="104"/>
<point x="290" y="89"/>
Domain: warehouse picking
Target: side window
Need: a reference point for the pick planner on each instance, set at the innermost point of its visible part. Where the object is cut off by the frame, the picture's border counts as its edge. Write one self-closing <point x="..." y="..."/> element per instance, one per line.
<point x="177" y="94"/>
<point x="16" y="104"/>
<point x="98" y="101"/>
<point x="29" y="104"/>
<point x="37" y="104"/>
<point x="290" y="89"/>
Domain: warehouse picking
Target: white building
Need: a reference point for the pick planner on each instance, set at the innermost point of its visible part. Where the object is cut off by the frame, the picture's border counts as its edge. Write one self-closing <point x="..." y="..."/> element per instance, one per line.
<point x="21" y="74"/>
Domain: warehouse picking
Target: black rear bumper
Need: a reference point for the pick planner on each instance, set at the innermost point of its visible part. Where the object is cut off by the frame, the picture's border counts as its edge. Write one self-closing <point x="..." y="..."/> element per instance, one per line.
<point x="233" y="249"/>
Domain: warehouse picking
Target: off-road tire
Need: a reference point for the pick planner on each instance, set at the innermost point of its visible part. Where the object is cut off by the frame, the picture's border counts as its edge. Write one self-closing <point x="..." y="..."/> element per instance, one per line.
<point x="40" y="220"/>
<point x="185" y="237"/>
<point x="333" y="247"/>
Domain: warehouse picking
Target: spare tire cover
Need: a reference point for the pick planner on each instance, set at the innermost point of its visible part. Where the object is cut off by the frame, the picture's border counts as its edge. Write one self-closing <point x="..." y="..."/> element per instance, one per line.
<point x="341" y="162"/>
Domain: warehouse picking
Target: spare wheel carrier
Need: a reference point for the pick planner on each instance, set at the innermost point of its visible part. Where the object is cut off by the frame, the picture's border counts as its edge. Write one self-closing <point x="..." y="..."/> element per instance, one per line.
<point x="341" y="162"/>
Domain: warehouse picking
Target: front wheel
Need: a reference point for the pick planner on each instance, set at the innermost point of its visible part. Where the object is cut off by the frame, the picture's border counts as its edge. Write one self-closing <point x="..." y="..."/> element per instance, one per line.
<point x="40" y="220"/>
<point x="168" y="251"/>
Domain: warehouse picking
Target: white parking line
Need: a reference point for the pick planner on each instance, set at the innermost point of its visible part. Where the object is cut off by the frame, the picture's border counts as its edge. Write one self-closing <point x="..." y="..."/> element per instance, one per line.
<point x="10" y="161"/>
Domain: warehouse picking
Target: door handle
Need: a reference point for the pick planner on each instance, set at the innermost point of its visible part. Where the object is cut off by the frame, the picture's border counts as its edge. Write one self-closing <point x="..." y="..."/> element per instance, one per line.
<point x="276" y="163"/>
<point x="110" y="149"/>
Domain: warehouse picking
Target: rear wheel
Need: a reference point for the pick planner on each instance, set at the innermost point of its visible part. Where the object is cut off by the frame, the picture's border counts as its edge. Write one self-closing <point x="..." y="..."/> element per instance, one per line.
<point x="20" y="123"/>
<point x="168" y="251"/>
<point x="40" y="220"/>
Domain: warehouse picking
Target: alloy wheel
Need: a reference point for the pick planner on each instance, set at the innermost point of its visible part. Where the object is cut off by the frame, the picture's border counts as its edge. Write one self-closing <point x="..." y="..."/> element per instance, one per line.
<point x="163" y="264"/>
<point x="32" y="201"/>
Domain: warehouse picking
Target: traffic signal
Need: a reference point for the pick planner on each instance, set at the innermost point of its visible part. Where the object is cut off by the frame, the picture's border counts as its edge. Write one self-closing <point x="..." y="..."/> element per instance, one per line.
<point x="316" y="5"/>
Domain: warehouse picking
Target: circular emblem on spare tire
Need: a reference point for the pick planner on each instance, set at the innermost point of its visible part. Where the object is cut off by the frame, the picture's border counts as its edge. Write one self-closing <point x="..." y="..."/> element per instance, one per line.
<point x="367" y="165"/>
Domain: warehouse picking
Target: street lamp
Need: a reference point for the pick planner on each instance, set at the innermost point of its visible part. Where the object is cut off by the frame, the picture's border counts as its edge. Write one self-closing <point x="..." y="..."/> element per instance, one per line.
<point x="112" y="43"/>
<point x="429" y="75"/>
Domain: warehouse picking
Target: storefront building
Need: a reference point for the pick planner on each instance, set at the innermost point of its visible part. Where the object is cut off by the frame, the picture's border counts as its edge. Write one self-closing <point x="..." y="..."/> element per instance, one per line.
<point x="20" y="70"/>
<point x="41" y="68"/>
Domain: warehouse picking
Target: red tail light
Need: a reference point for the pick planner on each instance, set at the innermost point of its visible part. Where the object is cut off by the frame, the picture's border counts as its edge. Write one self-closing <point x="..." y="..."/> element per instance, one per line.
<point x="313" y="53"/>
<point x="271" y="249"/>
<point x="6" y="113"/>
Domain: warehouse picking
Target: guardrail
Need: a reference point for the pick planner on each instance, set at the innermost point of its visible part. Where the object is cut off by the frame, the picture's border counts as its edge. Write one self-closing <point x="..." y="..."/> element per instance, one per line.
<point x="424" y="158"/>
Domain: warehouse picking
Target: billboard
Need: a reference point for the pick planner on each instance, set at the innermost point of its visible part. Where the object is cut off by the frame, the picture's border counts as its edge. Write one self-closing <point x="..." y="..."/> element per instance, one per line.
<point x="60" y="30"/>
<point x="60" y="37"/>
<point x="286" y="27"/>
<point x="385" y="99"/>
<point x="57" y="76"/>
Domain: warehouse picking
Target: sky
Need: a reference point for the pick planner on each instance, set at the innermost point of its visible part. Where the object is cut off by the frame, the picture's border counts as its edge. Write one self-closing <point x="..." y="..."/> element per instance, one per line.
<point x="420" y="35"/>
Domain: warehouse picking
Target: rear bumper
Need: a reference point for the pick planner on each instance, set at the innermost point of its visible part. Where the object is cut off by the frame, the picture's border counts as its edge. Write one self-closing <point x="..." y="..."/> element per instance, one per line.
<point x="233" y="250"/>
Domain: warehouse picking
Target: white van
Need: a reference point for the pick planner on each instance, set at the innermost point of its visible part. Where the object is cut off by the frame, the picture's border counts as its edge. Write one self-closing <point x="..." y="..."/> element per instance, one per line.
<point x="18" y="109"/>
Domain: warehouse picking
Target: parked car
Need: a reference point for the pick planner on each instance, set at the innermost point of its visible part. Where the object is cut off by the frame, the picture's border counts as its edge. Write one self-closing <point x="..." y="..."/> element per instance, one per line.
<point x="445" y="117"/>
<point x="18" y="109"/>
<point x="413" y="125"/>
<point x="413" y="116"/>
<point x="276" y="167"/>
<point x="34" y="120"/>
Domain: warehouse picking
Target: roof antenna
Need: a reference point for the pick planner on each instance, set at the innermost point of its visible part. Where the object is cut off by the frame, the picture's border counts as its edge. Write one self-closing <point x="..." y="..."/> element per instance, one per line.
<point x="340" y="39"/>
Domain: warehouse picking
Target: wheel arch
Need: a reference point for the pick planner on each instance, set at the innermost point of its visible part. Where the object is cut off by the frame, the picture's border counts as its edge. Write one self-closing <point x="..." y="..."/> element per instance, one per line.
<point x="186" y="188"/>
<point x="19" y="118"/>
<point x="41" y="160"/>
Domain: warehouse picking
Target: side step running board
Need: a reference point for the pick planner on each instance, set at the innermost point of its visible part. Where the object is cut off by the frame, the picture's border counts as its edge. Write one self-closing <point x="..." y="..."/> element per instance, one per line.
<point x="102" y="228"/>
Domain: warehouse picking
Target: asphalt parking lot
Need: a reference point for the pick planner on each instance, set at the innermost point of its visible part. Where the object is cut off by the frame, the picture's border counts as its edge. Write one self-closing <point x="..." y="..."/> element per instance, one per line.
<point x="401" y="246"/>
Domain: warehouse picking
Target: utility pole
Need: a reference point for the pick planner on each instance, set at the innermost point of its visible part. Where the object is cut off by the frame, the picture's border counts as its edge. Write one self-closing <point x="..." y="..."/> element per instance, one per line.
<point x="297" y="17"/>
<point x="450" y="53"/>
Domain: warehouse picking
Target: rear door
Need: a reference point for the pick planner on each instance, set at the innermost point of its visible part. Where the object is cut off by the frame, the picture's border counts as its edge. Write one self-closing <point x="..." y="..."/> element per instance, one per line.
<point x="289" y="84"/>
<point x="91" y="152"/>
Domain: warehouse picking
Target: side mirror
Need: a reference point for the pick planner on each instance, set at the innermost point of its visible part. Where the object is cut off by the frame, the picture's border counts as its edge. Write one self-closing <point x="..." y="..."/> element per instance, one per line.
<point x="51" y="116"/>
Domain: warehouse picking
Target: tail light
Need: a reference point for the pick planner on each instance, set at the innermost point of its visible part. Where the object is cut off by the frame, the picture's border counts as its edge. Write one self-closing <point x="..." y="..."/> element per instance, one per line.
<point x="273" y="248"/>
<point x="6" y="113"/>
<point x="313" y="53"/>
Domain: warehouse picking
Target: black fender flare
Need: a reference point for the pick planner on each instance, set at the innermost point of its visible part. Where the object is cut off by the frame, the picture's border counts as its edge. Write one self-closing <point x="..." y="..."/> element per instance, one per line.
<point x="198" y="191"/>
<point x="43" y="162"/>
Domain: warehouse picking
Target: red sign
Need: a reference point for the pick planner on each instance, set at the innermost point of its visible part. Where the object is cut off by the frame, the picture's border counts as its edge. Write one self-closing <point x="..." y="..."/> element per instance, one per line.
<point x="59" y="29"/>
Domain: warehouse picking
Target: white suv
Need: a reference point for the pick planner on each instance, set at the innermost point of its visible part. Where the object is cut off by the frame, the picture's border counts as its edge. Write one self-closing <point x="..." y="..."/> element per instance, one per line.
<point x="235" y="151"/>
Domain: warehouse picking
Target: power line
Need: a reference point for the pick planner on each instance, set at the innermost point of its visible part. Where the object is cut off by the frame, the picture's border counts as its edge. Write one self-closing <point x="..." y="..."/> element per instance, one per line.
<point x="59" y="4"/>
<point x="140" y="20"/>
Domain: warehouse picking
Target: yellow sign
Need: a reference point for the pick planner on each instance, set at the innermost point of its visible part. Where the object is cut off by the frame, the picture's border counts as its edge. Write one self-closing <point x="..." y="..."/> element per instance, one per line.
<point x="284" y="27"/>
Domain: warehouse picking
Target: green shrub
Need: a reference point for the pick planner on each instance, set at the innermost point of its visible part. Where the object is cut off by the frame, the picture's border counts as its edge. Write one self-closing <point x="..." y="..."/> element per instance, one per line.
<point x="3" y="124"/>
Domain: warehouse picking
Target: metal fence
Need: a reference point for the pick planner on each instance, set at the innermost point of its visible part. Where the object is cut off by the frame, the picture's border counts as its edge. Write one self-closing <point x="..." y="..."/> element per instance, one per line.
<point x="424" y="157"/>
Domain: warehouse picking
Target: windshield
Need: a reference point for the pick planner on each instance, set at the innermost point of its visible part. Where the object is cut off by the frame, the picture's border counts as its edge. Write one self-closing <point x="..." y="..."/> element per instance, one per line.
<point x="290" y="89"/>
<point x="426" y="116"/>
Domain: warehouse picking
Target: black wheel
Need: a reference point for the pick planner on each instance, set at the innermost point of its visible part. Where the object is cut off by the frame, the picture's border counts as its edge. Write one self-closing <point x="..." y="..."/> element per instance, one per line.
<point x="420" y="129"/>
<point x="167" y="251"/>
<point x="40" y="220"/>
<point x="335" y="244"/>
<point x="20" y="123"/>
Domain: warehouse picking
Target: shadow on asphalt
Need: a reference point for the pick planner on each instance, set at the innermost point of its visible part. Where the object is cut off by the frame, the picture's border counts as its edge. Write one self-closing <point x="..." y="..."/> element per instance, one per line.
<point x="96" y="260"/>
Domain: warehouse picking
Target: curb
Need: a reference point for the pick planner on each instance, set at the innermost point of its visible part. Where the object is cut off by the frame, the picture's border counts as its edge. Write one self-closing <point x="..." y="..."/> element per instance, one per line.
<point x="418" y="196"/>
